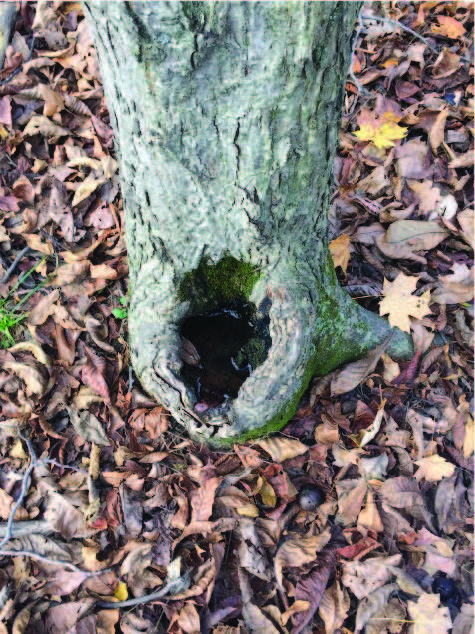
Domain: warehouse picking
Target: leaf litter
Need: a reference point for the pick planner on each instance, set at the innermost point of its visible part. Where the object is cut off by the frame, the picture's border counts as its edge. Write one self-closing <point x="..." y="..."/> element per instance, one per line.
<point x="361" y="509"/>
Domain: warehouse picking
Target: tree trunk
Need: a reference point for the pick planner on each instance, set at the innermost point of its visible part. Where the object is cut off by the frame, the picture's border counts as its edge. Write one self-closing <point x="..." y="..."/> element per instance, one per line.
<point x="227" y="119"/>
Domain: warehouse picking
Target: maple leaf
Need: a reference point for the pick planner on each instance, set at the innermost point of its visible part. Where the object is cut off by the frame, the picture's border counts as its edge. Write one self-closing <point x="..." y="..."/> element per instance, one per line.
<point x="383" y="132"/>
<point x="428" y="616"/>
<point x="434" y="468"/>
<point x="399" y="302"/>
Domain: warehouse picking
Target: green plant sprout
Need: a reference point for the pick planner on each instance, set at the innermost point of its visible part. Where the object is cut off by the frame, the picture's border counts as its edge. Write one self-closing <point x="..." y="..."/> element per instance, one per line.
<point x="8" y="319"/>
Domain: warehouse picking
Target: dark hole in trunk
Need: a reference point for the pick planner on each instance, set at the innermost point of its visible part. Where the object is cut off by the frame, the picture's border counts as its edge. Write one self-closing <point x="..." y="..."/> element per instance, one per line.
<point x="226" y="345"/>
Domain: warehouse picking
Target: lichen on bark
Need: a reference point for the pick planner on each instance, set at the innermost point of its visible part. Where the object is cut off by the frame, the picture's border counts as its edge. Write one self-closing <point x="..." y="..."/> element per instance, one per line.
<point x="226" y="116"/>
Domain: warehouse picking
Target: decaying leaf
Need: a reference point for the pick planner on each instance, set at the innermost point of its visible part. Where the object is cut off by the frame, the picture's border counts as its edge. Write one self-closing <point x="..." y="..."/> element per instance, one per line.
<point x="297" y="551"/>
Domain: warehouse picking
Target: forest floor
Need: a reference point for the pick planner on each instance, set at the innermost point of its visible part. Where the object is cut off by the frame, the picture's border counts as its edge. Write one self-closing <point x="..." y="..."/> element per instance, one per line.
<point x="359" y="514"/>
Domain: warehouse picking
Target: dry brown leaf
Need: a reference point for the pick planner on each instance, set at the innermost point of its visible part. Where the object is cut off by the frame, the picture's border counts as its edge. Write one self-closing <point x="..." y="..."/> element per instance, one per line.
<point x="65" y="517"/>
<point x="88" y="426"/>
<point x="369" y="517"/>
<point x="202" y="500"/>
<point x="188" y="619"/>
<point x="448" y="27"/>
<point x="466" y="221"/>
<point x="399" y="302"/>
<point x="352" y="374"/>
<point x="42" y="125"/>
<point x="436" y="134"/>
<point x="351" y="494"/>
<point x="334" y="606"/>
<point x="85" y="189"/>
<point x="281" y="448"/>
<point x="364" y="577"/>
<point x="427" y="615"/>
<point x="299" y="550"/>
<point x="455" y="288"/>
<point x="406" y="237"/>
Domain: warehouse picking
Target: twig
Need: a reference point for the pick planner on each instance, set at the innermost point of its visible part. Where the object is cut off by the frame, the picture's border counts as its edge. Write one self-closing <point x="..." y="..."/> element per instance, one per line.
<point x="30" y="527"/>
<point x="359" y="87"/>
<point x="11" y="528"/>
<point x="14" y="264"/>
<point x="408" y="30"/>
<point x="174" y="587"/>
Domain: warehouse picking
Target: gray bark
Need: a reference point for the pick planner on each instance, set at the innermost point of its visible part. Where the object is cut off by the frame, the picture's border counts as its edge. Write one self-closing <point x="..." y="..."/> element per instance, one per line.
<point x="7" y="20"/>
<point x="226" y="115"/>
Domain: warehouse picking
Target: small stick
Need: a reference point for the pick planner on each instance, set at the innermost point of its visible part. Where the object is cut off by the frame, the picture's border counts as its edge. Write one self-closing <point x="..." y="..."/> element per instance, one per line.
<point x="14" y="264"/>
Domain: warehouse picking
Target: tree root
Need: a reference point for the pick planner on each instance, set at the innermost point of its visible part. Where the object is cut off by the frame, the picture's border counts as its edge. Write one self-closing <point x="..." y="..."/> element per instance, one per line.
<point x="315" y="327"/>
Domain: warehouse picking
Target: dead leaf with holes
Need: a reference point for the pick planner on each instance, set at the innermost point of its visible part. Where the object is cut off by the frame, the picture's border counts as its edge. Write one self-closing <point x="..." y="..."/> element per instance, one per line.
<point x="428" y="616"/>
<point x="399" y="302"/>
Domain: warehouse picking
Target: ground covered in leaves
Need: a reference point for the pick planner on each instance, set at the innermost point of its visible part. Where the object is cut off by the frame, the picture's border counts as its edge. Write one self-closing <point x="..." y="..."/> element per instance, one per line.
<point x="358" y="516"/>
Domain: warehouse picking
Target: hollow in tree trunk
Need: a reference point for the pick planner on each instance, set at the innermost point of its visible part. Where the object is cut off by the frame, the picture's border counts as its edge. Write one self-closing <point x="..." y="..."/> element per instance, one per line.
<point x="227" y="119"/>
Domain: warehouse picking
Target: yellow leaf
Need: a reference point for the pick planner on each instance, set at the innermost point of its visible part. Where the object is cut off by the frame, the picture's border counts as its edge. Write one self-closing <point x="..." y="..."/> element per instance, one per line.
<point x="434" y="468"/>
<point x="469" y="438"/>
<point x="399" y="302"/>
<point x="387" y="135"/>
<point x="121" y="593"/>
<point x="282" y="448"/>
<point x="449" y="27"/>
<point x="383" y="135"/>
<point x="85" y="189"/>
<point x="340" y="250"/>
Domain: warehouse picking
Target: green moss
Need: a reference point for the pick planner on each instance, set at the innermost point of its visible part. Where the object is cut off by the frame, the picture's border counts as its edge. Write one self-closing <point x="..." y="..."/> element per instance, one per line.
<point x="214" y="285"/>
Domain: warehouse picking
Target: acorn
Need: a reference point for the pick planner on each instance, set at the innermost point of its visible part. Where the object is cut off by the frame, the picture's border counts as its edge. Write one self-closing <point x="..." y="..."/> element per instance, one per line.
<point x="310" y="497"/>
<point x="447" y="590"/>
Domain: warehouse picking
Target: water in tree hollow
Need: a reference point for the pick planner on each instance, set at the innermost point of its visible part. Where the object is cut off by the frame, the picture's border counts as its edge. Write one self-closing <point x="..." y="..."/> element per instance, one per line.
<point x="215" y="365"/>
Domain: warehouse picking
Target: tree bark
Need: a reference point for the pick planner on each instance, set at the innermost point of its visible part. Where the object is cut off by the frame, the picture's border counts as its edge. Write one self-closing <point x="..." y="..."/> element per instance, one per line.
<point x="227" y="120"/>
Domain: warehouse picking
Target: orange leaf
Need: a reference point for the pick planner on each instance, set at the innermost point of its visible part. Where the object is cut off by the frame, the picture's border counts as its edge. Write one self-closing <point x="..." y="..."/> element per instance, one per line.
<point x="449" y="27"/>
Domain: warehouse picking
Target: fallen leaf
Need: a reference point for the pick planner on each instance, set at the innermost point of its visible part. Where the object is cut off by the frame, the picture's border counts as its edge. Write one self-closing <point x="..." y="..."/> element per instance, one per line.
<point x="340" y="251"/>
<point x="334" y="606"/>
<point x="202" y="500"/>
<point x="282" y="448"/>
<point x="311" y="589"/>
<point x="399" y="302"/>
<point x="406" y="237"/>
<point x="85" y="189"/>
<point x="297" y="551"/>
<point x="434" y="468"/>
<point x="364" y="577"/>
<point x="428" y="616"/>
<point x="455" y="288"/>
<point x="436" y="134"/>
<point x="369" y="518"/>
<point x="42" y="125"/>
<point x="449" y="27"/>
<point x="352" y="374"/>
